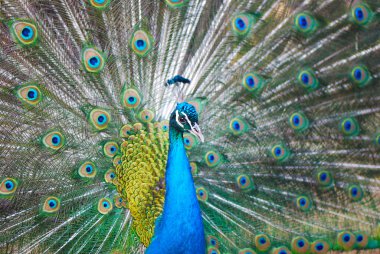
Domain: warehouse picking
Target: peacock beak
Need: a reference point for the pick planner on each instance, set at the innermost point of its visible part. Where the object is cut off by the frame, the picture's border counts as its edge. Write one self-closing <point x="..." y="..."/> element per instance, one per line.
<point x="195" y="130"/>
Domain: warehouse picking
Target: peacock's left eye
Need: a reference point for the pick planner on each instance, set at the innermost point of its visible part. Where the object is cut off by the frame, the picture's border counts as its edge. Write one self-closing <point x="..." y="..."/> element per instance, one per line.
<point x="182" y="119"/>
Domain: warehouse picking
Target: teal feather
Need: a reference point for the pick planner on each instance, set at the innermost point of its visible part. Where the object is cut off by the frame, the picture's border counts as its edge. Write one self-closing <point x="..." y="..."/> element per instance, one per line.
<point x="287" y="94"/>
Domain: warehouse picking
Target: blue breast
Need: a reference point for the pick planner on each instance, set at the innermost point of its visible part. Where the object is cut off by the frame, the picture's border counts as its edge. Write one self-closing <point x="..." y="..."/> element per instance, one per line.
<point x="180" y="228"/>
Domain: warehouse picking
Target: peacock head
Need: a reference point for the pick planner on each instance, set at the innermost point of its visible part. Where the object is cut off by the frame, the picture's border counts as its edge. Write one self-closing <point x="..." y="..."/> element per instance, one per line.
<point x="184" y="118"/>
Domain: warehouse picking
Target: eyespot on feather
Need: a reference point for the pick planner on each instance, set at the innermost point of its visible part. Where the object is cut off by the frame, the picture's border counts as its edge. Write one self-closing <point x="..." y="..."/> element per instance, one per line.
<point x="212" y="159"/>
<point x="305" y="23"/>
<point x="242" y="24"/>
<point x="190" y="141"/>
<point x="213" y="241"/>
<point x="87" y="170"/>
<point x="262" y="242"/>
<point x="142" y="43"/>
<point x="238" y="126"/>
<point x="304" y="203"/>
<point x="24" y="32"/>
<point x="346" y="240"/>
<point x="202" y="194"/>
<point x="110" y="175"/>
<point x="104" y="206"/>
<point x="298" y="121"/>
<point x="53" y="140"/>
<point x="126" y="131"/>
<point x="8" y="186"/>
<point x="319" y="247"/>
<point x="116" y="160"/>
<point x="244" y="182"/>
<point x="131" y="98"/>
<point x="99" y="119"/>
<point x="253" y="82"/>
<point x="280" y="152"/>
<point x="361" y="14"/>
<point x="355" y="192"/>
<point x="281" y="250"/>
<point x="212" y="250"/>
<point x="362" y="239"/>
<point x="110" y="149"/>
<point x="360" y="75"/>
<point x="300" y="245"/>
<point x="325" y="179"/>
<point x="30" y="94"/>
<point x="51" y="205"/>
<point x="92" y="60"/>
<point x="308" y="80"/>
<point x="350" y="127"/>
<point x="146" y="115"/>
<point x="100" y="4"/>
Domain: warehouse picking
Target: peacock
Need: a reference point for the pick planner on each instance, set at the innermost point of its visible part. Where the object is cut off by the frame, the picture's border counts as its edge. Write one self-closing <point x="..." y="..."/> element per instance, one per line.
<point x="190" y="126"/>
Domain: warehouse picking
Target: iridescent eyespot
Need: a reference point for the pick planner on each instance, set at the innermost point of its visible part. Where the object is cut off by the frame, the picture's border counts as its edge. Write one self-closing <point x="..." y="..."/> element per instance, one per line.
<point x="93" y="60"/>
<point x="118" y="201"/>
<point x="361" y="14"/>
<point x="362" y="240"/>
<point x="137" y="127"/>
<point x="213" y="241"/>
<point x="8" y="186"/>
<point x="350" y="127"/>
<point x="298" y="121"/>
<point x="176" y="3"/>
<point x="100" y="4"/>
<point x="360" y="75"/>
<point x="131" y="98"/>
<point x="165" y="125"/>
<point x="142" y="43"/>
<point x="246" y="251"/>
<point x="24" y="32"/>
<point x="346" y="240"/>
<point x="325" y="179"/>
<point x="194" y="168"/>
<point x="53" y="140"/>
<point x="212" y="159"/>
<point x="146" y="115"/>
<point x="238" y="126"/>
<point x="303" y="203"/>
<point x="305" y="23"/>
<point x="51" y="205"/>
<point x="87" y="170"/>
<point x="280" y="152"/>
<point x="99" y="118"/>
<point x="126" y="131"/>
<point x="110" y="175"/>
<point x="253" y="82"/>
<point x="244" y="182"/>
<point x="116" y="160"/>
<point x="110" y="149"/>
<point x="300" y="245"/>
<point x="281" y="250"/>
<point x="212" y="250"/>
<point x="319" y="247"/>
<point x="262" y="242"/>
<point x="29" y="94"/>
<point x="307" y="79"/>
<point x="104" y="206"/>
<point x="202" y="194"/>
<point x="242" y="24"/>
<point x="355" y="192"/>
<point x="190" y="141"/>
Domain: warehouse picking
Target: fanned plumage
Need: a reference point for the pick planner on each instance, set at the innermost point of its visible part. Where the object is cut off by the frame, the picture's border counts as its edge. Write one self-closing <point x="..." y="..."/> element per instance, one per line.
<point x="287" y="94"/>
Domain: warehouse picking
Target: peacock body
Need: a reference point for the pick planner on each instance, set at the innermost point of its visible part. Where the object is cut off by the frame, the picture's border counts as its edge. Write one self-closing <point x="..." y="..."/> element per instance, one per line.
<point x="101" y="151"/>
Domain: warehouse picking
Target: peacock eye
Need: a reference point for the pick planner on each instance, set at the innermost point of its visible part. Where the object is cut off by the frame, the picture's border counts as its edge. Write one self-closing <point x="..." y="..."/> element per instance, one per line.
<point x="182" y="120"/>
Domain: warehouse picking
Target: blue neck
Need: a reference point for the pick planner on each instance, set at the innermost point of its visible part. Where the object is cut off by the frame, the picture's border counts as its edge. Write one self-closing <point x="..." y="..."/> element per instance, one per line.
<point x="180" y="229"/>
